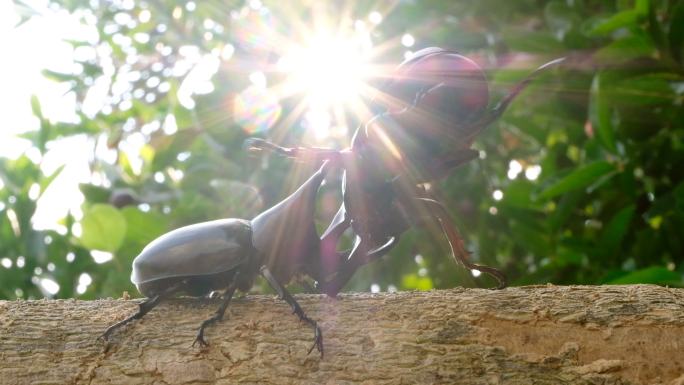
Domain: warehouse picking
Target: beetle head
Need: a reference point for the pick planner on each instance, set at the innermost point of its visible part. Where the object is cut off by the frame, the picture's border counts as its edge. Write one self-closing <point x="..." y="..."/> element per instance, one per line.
<point x="462" y="91"/>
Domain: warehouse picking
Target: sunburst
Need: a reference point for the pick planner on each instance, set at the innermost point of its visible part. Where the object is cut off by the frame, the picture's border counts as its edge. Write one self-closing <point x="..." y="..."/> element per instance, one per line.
<point x="326" y="67"/>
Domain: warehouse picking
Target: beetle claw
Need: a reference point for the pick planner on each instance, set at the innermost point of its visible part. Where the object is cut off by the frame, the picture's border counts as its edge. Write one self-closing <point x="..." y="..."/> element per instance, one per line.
<point x="318" y="341"/>
<point x="200" y="340"/>
<point x="104" y="337"/>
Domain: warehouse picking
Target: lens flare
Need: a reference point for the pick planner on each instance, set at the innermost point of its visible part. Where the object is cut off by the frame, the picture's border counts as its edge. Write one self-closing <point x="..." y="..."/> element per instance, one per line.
<point x="317" y="67"/>
<point x="256" y="109"/>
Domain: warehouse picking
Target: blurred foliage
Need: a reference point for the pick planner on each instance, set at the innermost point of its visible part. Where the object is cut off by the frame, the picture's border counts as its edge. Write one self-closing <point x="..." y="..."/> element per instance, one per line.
<point x="607" y="130"/>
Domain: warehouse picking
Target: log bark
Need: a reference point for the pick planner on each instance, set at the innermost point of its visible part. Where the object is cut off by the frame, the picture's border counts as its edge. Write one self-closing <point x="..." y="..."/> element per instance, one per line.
<point x="523" y="335"/>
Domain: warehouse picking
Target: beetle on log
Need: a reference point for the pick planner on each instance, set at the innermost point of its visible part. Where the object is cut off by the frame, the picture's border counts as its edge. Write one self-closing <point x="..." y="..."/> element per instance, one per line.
<point x="384" y="168"/>
<point x="229" y="254"/>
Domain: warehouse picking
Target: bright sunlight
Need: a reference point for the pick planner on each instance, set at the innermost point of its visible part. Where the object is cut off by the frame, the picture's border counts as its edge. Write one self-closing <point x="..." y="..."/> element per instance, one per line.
<point x="323" y="65"/>
<point x="328" y="70"/>
<point x="328" y="74"/>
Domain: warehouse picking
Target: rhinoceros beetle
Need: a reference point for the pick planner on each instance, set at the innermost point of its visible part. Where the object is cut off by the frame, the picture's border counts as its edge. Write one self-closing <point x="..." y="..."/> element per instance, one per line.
<point x="428" y="115"/>
<point x="229" y="254"/>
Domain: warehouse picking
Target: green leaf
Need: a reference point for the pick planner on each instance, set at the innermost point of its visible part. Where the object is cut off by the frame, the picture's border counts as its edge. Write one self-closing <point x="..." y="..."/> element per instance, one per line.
<point x="569" y="257"/>
<point x="642" y="6"/>
<point x="619" y="20"/>
<point x="104" y="228"/>
<point x="663" y="205"/>
<point x="44" y="132"/>
<point x="519" y="193"/>
<point x="24" y="11"/>
<point x="656" y="28"/>
<point x="676" y="34"/>
<point x="143" y="227"/>
<point x="243" y="201"/>
<point x="646" y="90"/>
<point x="45" y="182"/>
<point x="559" y="16"/>
<point x="615" y="231"/>
<point x="653" y="274"/>
<point x="600" y="113"/>
<point x="678" y="194"/>
<point x="580" y="178"/>
<point x="527" y="126"/>
<point x="626" y="49"/>
<point x="58" y="76"/>
<point x="35" y="107"/>
<point x="414" y="282"/>
<point x="532" y="239"/>
<point x="125" y="164"/>
<point x="94" y="194"/>
<point x="564" y="209"/>
<point x="526" y="41"/>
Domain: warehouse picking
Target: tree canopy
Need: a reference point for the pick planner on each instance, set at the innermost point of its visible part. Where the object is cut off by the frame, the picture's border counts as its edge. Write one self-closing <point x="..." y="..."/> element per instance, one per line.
<point x="578" y="183"/>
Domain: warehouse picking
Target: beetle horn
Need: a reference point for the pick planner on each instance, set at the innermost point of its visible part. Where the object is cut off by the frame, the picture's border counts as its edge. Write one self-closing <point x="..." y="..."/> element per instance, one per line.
<point x="498" y="110"/>
<point x="503" y="104"/>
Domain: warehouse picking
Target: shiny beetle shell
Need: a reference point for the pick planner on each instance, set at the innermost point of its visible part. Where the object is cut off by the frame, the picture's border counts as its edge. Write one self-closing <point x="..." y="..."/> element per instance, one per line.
<point x="201" y="249"/>
<point x="460" y="87"/>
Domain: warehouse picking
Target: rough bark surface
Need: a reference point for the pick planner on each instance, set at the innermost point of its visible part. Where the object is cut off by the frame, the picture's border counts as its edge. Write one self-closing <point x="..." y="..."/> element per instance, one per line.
<point x="523" y="335"/>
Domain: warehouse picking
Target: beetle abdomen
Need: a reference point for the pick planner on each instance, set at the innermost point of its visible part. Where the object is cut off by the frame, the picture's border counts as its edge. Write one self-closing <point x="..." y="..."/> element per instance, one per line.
<point x="195" y="286"/>
<point x="201" y="249"/>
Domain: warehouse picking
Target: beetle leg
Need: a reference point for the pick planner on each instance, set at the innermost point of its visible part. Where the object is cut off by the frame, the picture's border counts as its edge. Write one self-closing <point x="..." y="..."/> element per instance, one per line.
<point x="344" y="270"/>
<point x="296" y="309"/>
<point x="357" y="258"/>
<point x="455" y="240"/>
<point x="338" y="225"/>
<point x="330" y="258"/>
<point x="143" y="309"/>
<point x="218" y="316"/>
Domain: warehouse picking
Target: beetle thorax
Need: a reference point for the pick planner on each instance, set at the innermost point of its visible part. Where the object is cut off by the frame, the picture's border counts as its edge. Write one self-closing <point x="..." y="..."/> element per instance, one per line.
<point x="285" y="235"/>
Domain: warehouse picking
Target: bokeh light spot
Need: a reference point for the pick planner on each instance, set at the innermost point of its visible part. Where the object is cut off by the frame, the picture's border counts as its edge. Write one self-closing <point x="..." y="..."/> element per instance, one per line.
<point x="408" y="40"/>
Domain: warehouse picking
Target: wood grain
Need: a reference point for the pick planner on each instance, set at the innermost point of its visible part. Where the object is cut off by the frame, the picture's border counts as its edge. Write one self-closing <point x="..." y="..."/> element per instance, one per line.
<point x="522" y="335"/>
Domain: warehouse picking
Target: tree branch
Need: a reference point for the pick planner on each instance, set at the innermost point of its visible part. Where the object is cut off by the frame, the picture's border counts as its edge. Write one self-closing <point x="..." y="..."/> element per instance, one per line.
<point x="528" y="335"/>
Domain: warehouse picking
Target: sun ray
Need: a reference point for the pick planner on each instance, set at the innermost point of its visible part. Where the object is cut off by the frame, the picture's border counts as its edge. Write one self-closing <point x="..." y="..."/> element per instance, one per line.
<point x="327" y="65"/>
<point x="281" y="129"/>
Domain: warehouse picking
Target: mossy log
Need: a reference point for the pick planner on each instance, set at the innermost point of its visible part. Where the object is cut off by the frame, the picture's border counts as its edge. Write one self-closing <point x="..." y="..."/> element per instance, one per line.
<point x="522" y="335"/>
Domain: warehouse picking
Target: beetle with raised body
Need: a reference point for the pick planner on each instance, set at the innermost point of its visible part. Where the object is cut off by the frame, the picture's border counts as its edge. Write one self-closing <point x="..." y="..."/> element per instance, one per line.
<point x="428" y="115"/>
